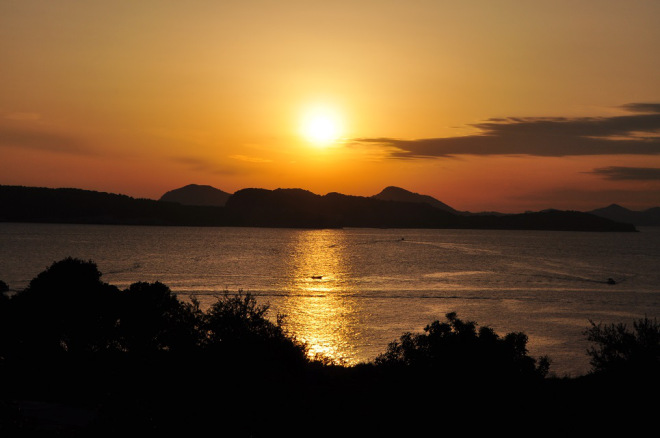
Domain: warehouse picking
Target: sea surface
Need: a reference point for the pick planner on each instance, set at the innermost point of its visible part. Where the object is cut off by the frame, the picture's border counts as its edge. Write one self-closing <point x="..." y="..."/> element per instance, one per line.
<point x="350" y="292"/>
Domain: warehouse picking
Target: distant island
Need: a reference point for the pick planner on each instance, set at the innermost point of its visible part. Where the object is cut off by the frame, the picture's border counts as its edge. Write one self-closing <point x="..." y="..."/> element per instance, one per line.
<point x="645" y="218"/>
<point x="68" y="205"/>
<point x="198" y="205"/>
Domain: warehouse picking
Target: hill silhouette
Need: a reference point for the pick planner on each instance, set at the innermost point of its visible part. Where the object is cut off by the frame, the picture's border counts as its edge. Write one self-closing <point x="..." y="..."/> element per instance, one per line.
<point x="615" y="212"/>
<point x="301" y="208"/>
<point x="68" y="205"/>
<point x="194" y="194"/>
<point x="393" y="193"/>
<point x="294" y="208"/>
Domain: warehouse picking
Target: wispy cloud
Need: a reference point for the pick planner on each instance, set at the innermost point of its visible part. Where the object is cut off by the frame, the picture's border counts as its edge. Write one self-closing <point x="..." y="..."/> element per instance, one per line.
<point x="628" y="173"/>
<point x="29" y="138"/>
<point x="250" y="159"/>
<point x="642" y="107"/>
<point x="583" y="199"/>
<point x="21" y="116"/>
<point x="203" y="165"/>
<point x="635" y="133"/>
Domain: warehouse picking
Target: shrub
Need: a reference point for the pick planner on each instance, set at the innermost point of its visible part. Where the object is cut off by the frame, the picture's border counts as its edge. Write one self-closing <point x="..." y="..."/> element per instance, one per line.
<point x="456" y="349"/>
<point x="153" y="319"/>
<point x="239" y="327"/>
<point x="621" y="351"/>
<point x="66" y="308"/>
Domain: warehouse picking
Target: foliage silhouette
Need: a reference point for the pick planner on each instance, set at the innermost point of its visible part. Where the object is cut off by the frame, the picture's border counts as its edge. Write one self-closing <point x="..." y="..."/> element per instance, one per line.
<point x="455" y="348"/>
<point x="153" y="319"/>
<point x="146" y="361"/>
<point x="66" y="308"/>
<point x="7" y="331"/>
<point x="238" y="326"/>
<point x="619" y="351"/>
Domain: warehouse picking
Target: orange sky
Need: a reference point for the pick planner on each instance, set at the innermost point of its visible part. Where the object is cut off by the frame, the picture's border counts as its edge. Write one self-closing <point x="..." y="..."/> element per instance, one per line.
<point x="507" y="106"/>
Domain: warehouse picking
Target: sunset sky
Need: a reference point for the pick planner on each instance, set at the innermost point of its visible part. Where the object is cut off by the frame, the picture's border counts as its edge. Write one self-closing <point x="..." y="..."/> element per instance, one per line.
<point x="484" y="105"/>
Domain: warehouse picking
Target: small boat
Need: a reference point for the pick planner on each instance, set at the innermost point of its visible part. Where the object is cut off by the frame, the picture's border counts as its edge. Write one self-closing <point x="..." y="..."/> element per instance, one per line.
<point x="317" y="277"/>
<point x="611" y="281"/>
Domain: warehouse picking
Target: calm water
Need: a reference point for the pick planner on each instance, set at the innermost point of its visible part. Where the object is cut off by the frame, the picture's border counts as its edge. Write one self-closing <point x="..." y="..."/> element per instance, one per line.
<point x="376" y="284"/>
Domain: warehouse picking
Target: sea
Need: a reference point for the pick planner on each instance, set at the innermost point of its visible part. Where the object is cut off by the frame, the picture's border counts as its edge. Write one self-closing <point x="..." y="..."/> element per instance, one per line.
<point x="348" y="293"/>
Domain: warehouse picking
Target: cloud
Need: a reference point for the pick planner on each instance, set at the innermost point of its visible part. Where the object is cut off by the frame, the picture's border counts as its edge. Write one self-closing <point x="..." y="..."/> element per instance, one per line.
<point x="642" y="107"/>
<point x="583" y="199"/>
<point x="201" y="165"/>
<point x="628" y="173"/>
<point x="41" y="140"/>
<point x="636" y="133"/>
<point x="250" y="159"/>
<point x="21" y="116"/>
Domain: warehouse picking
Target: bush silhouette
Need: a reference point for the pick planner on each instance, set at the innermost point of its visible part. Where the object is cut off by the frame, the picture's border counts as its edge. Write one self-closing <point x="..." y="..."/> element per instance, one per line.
<point x="134" y="352"/>
<point x="66" y="308"/>
<point x="153" y="319"/>
<point x="237" y="326"/>
<point x="457" y="349"/>
<point x="7" y="326"/>
<point x="622" y="352"/>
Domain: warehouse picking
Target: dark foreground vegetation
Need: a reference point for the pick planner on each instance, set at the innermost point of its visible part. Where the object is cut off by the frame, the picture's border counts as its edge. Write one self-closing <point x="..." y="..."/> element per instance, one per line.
<point x="80" y="357"/>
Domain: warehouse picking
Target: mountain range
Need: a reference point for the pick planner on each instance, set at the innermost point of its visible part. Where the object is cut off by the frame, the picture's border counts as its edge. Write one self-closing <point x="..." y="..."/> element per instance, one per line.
<point x="69" y="205"/>
<point x="648" y="218"/>
<point x="206" y="195"/>
<point x="392" y="208"/>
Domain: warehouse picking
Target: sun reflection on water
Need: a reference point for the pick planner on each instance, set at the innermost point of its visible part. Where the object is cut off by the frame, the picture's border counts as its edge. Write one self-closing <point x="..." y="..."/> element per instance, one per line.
<point x="320" y="310"/>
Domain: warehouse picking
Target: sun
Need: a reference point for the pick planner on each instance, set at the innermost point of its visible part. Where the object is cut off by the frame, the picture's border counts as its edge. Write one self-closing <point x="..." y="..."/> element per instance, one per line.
<point x="321" y="126"/>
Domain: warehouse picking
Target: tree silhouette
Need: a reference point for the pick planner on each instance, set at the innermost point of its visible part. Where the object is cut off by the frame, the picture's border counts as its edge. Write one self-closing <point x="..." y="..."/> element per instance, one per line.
<point x="455" y="348"/>
<point x="67" y="308"/>
<point x="153" y="319"/>
<point x="238" y="327"/>
<point x="71" y="337"/>
<point x="620" y="351"/>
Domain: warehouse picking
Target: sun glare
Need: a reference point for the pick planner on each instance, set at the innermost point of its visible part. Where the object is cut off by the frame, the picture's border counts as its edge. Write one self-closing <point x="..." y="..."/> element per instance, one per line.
<point x="321" y="127"/>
